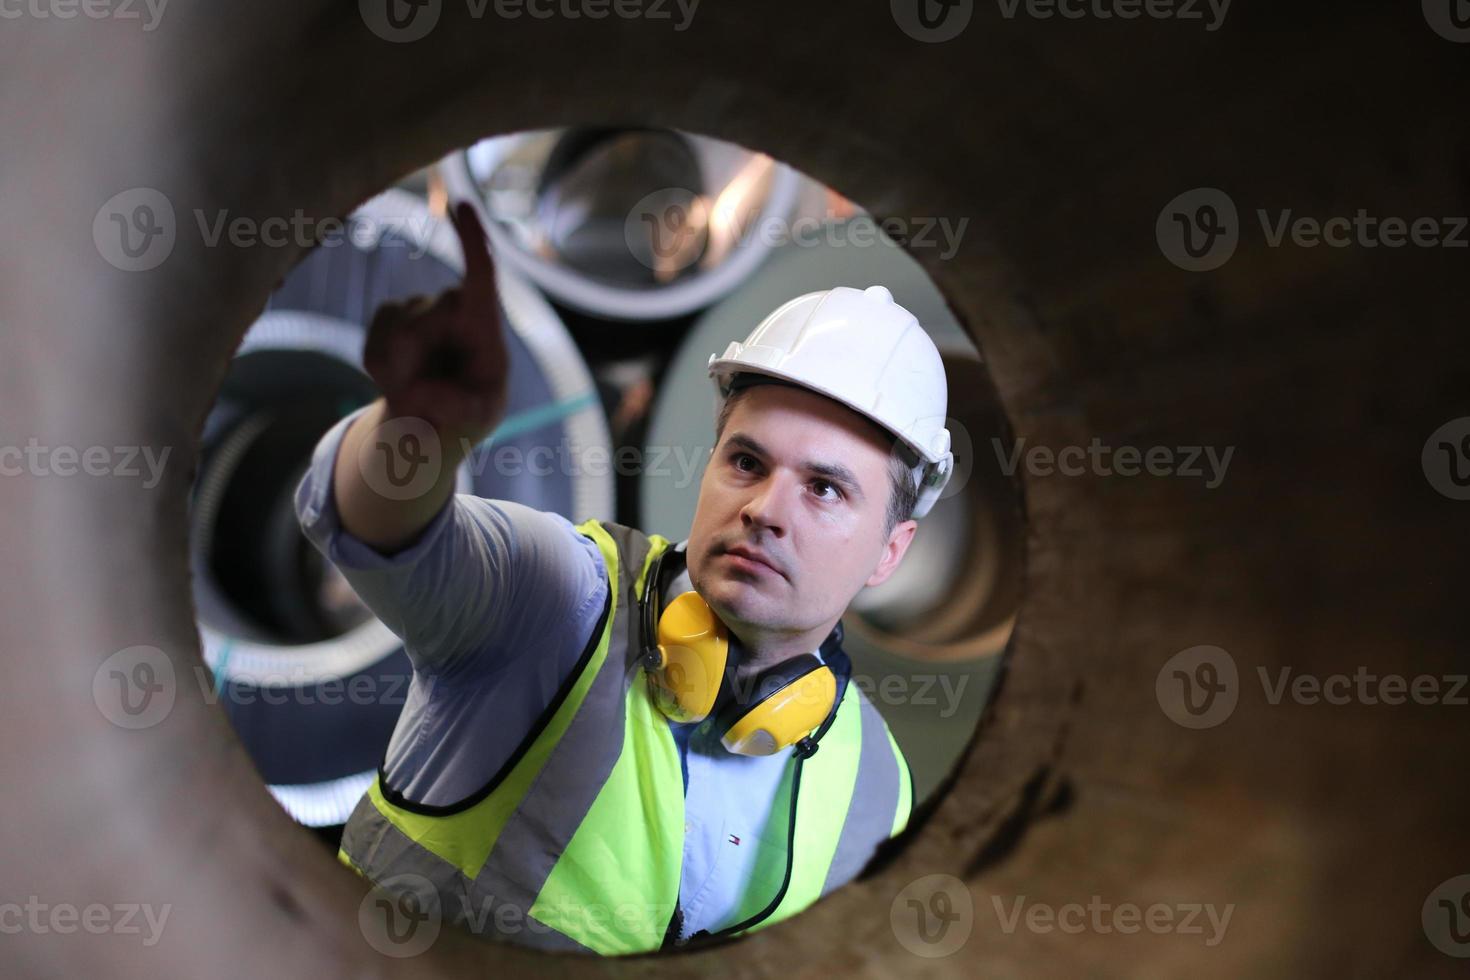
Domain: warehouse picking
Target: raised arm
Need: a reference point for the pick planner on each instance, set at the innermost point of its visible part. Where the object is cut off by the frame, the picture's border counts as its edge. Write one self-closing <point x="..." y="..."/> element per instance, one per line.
<point x="467" y="583"/>
<point x="441" y="365"/>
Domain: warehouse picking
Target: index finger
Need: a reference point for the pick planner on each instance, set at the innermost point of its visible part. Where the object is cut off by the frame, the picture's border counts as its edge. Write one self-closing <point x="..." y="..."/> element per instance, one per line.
<point x="479" y="271"/>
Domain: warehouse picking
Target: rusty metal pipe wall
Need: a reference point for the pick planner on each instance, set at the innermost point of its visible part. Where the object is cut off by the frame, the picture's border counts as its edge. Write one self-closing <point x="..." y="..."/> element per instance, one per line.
<point x="1325" y="549"/>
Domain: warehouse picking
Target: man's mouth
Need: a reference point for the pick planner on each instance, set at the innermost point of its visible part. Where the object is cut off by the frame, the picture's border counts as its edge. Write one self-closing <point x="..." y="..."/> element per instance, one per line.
<point x="752" y="560"/>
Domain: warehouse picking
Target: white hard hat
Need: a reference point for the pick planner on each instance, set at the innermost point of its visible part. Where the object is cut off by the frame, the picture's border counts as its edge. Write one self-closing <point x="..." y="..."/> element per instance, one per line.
<point x="860" y="348"/>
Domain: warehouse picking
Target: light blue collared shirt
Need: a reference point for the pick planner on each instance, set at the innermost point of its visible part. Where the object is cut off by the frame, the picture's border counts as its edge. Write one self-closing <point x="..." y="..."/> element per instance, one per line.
<point x="495" y="602"/>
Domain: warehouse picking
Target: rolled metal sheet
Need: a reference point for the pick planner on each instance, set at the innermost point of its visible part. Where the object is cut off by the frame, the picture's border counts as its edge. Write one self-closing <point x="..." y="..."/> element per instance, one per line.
<point x="675" y="231"/>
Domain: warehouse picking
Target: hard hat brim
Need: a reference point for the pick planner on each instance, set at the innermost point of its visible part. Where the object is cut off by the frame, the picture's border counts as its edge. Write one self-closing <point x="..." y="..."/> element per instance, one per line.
<point x="728" y="374"/>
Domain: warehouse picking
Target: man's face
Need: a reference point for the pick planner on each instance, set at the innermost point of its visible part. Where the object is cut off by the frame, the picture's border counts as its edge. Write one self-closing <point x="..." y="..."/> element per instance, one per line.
<point x="803" y="482"/>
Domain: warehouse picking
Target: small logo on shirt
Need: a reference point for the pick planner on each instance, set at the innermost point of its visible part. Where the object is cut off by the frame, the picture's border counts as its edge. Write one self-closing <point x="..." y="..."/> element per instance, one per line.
<point x="734" y="840"/>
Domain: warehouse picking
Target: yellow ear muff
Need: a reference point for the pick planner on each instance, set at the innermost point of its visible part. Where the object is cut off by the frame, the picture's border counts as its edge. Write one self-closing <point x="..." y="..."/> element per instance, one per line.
<point x="693" y="646"/>
<point x="786" y="717"/>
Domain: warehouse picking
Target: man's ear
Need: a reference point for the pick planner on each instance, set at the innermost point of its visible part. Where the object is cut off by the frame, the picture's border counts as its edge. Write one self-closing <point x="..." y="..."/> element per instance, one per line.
<point x="893" y="551"/>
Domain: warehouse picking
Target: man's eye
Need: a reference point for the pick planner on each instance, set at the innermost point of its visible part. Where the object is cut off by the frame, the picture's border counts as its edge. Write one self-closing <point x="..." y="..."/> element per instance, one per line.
<point x="739" y="457"/>
<point x="820" y="484"/>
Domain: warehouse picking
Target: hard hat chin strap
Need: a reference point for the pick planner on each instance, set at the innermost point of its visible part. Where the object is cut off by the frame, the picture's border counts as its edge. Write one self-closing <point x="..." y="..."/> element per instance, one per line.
<point x="934" y="478"/>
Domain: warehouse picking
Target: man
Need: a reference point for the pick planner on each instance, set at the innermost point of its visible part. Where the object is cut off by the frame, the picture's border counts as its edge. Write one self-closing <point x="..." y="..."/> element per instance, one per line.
<point x="548" y="780"/>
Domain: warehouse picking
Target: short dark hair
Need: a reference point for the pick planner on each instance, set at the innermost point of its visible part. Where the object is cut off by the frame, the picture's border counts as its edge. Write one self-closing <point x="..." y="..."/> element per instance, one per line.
<point x="903" y="491"/>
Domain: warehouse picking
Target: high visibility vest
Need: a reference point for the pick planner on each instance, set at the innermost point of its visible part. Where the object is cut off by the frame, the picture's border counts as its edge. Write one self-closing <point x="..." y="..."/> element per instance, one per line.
<point x="577" y="843"/>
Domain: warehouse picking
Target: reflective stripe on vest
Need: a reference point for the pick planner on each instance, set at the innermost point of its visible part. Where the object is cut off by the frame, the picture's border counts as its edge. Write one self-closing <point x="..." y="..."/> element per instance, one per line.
<point x="577" y="843"/>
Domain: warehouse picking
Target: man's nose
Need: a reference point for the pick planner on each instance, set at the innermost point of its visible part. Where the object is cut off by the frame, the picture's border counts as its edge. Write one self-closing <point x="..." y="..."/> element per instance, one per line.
<point x="769" y="505"/>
